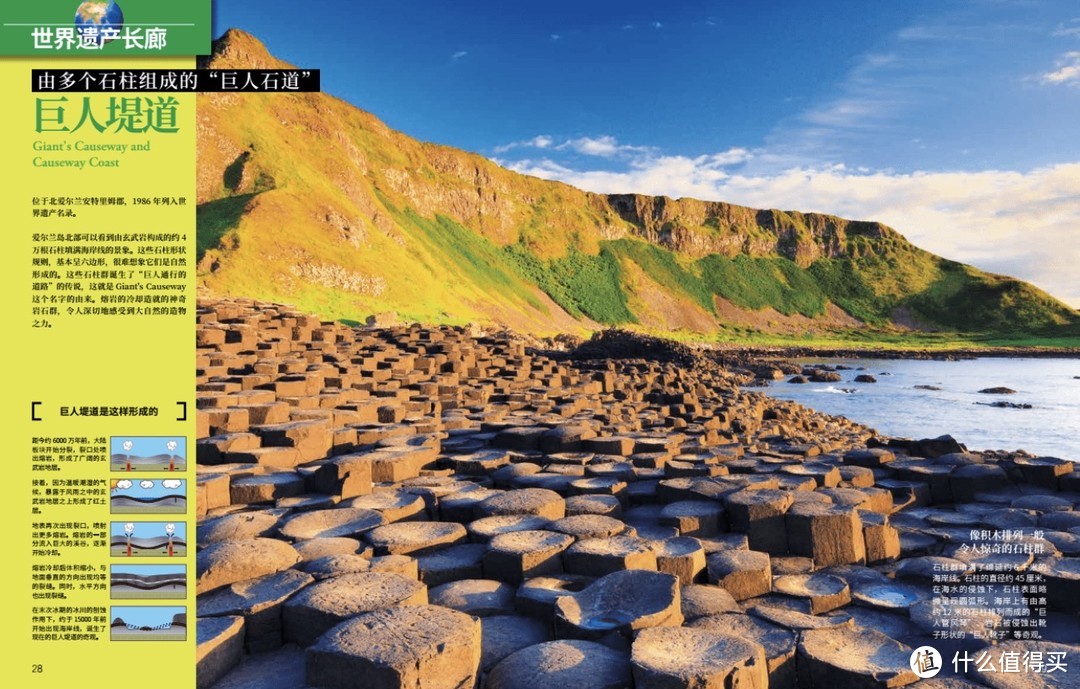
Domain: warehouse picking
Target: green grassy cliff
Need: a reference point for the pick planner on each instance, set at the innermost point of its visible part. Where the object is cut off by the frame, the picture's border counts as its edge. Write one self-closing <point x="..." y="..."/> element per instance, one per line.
<point x="307" y="199"/>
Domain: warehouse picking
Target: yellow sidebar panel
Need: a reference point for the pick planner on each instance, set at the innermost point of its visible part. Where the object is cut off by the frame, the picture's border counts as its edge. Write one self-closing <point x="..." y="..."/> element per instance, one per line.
<point x="98" y="205"/>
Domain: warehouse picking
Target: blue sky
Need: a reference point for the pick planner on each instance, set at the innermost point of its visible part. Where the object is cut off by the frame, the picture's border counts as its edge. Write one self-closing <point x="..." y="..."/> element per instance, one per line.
<point x="148" y="445"/>
<point x="148" y="488"/>
<point x="145" y="615"/>
<point x="955" y="121"/>
<point x="148" y="529"/>
<point x="147" y="570"/>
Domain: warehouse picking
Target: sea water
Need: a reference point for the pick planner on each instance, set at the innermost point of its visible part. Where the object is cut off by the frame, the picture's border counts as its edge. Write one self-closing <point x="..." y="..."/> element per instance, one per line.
<point x="896" y="407"/>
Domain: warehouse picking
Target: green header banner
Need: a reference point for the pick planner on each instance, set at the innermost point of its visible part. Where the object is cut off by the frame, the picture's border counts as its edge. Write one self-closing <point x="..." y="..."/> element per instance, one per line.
<point x="40" y="28"/>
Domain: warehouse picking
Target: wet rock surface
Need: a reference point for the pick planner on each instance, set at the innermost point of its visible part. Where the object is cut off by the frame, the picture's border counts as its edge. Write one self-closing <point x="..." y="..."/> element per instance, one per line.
<point x="451" y="508"/>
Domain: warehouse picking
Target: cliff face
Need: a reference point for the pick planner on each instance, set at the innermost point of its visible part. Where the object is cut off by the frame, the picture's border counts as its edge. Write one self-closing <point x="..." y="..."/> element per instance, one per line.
<point x="698" y="228"/>
<point x="303" y="197"/>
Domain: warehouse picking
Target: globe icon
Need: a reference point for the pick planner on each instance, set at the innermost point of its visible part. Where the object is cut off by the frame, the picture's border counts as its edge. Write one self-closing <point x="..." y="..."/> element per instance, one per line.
<point x="95" y="16"/>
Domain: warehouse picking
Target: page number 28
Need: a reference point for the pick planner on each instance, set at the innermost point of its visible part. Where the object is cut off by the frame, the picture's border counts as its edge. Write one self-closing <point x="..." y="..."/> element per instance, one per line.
<point x="36" y="668"/>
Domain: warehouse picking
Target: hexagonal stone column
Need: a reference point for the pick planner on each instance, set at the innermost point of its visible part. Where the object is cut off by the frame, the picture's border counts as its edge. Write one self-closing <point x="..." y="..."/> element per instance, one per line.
<point x="622" y="602"/>
<point x="970" y="480"/>
<point x="259" y="601"/>
<point x="778" y="642"/>
<point x="535" y="501"/>
<point x="227" y="562"/>
<point x="830" y="534"/>
<point x="695" y="517"/>
<point x="477" y="597"/>
<point x="320" y="606"/>
<point x="743" y="573"/>
<point x="760" y="515"/>
<point x="562" y="664"/>
<point x="882" y="539"/>
<point x="413" y="538"/>
<point x="823" y="592"/>
<point x="681" y="658"/>
<point x="220" y="648"/>
<point x="598" y="556"/>
<point x="348" y="522"/>
<point x="683" y="556"/>
<point x="514" y="557"/>
<point x="413" y="646"/>
<point x="844" y="658"/>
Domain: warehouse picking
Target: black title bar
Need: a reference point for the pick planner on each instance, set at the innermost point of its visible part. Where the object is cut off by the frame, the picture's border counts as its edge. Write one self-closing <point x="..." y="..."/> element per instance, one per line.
<point x="175" y="80"/>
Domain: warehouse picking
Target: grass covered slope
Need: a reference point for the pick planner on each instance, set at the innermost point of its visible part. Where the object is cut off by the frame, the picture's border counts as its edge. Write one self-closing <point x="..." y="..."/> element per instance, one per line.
<point x="307" y="199"/>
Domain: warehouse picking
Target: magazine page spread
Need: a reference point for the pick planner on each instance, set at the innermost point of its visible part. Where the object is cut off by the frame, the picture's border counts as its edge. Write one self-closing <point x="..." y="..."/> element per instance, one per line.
<point x="437" y="345"/>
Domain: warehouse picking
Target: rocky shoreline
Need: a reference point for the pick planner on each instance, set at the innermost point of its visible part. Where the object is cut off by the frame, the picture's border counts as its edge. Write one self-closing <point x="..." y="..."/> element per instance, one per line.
<point x="740" y="353"/>
<point x="447" y="507"/>
<point x="911" y="353"/>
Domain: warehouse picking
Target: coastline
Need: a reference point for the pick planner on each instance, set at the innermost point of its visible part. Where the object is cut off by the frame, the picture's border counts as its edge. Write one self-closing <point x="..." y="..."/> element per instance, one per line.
<point x="854" y="352"/>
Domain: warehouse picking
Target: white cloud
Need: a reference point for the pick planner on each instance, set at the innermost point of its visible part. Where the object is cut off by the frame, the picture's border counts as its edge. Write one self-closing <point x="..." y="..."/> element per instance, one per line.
<point x="732" y="156"/>
<point x="602" y="146"/>
<point x="459" y="54"/>
<point x="1017" y="223"/>
<point x="849" y="113"/>
<point x="541" y="141"/>
<point x="1070" y="29"/>
<point x="1067" y="72"/>
<point x="657" y="25"/>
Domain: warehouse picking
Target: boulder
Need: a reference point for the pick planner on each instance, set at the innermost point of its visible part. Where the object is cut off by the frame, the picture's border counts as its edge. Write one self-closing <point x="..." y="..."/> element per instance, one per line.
<point x="536" y="597"/>
<point x="452" y="563"/>
<point x="703" y="600"/>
